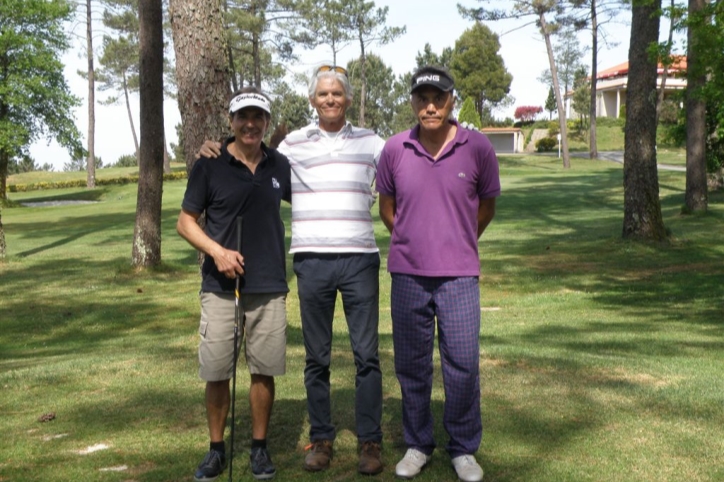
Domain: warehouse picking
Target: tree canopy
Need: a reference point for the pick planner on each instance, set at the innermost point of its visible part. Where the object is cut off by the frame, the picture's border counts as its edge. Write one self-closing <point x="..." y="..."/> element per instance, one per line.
<point x="428" y="57"/>
<point x="581" y="99"/>
<point x="380" y="98"/>
<point x="479" y="69"/>
<point x="568" y="54"/>
<point x="290" y="108"/>
<point x="540" y="10"/>
<point x="35" y="100"/>
<point x="369" y="27"/>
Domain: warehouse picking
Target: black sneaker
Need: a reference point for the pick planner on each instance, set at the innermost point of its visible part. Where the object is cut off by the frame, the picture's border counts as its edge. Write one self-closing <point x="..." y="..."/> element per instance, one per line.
<point x="211" y="467"/>
<point x="261" y="464"/>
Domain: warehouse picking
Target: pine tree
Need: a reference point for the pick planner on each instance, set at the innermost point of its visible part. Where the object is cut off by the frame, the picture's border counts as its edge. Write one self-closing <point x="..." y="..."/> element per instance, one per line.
<point x="551" y="103"/>
<point x="468" y="114"/>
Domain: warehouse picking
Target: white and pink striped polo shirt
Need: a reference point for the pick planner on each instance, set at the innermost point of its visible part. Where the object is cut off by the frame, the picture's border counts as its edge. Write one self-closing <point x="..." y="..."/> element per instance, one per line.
<point x="332" y="178"/>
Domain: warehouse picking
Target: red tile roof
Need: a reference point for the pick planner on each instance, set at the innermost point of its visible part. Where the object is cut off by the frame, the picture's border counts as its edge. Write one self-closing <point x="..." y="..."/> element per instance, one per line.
<point x="621" y="70"/>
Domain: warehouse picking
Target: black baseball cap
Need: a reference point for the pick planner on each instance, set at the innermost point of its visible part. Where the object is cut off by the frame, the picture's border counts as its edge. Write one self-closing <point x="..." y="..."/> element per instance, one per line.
<point x="433" y="76"/>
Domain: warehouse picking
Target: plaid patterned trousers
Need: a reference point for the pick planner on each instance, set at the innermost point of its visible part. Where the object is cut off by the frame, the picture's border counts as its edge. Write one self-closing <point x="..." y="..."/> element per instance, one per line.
<point x="416" y="303"/>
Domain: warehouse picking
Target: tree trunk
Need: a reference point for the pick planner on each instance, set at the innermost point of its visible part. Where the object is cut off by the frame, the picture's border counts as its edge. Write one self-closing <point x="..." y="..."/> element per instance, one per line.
<point x="201" y="72"/>
<point x="166" y="157"/>
<point x="3" y="246"/>
<point x="91" y="162"/>
<point x="556" y="88"/>
<point x="642" y="209"/>
<point x="665" y="64"/>
<point x="147" y="233"/>
<point x="696" y="184"/>
<point x="257" y="59"/>
<point x="4" y="152"/>
<point x="334" y="50"/>
<point x="232" y="68"/>
<point x="255" y="53"/>
<point x="230" y="55"/>
<point x="592" y="140"/>
<point x="363" y="78"/>
<point x="130" y="117"/>
<point x="4" y="162"/>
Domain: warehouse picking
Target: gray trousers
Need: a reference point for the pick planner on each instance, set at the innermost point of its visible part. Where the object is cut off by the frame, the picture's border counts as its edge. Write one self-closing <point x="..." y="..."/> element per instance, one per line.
<point x="356" y="277"/>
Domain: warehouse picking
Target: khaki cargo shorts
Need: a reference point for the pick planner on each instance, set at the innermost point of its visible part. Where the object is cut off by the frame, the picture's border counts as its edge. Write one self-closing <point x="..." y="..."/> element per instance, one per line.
<point x="262" y="332"/>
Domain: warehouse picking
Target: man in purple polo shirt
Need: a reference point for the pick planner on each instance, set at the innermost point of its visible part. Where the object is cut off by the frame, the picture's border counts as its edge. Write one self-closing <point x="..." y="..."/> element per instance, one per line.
<point x="437" y="183"/>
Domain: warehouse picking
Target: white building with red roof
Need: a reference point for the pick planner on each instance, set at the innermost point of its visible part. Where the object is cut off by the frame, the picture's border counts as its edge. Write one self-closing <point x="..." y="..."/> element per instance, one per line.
<point x="611" y="86"/>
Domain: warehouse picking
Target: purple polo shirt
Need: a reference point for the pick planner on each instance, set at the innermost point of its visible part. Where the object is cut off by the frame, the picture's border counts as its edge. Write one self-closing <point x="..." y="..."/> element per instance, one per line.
<point x="436" y="220"/>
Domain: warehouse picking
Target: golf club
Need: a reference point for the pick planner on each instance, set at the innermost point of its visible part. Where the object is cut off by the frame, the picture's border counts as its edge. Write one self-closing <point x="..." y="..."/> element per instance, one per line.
<point x="236" y="349"/>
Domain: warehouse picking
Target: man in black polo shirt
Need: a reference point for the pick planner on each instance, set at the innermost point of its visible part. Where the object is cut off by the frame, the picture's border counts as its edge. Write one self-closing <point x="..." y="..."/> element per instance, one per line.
<point x="251" y="182"/>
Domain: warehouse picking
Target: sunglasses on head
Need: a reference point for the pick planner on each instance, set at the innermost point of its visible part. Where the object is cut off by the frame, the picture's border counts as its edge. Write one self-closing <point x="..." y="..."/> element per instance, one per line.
<point x="332" y="68"/>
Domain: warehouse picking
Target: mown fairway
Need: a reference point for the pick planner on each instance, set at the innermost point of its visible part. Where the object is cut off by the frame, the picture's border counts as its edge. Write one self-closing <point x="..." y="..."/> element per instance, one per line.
<point x="601" y="358"/>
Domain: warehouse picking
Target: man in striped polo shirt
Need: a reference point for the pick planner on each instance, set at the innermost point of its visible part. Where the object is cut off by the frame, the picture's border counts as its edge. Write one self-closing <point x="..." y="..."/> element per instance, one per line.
<point x="333" y="168"/>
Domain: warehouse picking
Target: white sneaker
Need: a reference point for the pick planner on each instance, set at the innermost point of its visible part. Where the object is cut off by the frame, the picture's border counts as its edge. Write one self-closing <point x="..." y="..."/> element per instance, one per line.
<point x="467" y="468"/>
<point x="411" y="464"/>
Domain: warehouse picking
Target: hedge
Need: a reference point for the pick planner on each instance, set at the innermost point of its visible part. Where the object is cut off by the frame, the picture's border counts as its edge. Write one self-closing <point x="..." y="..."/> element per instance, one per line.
<point x="173" y="176"/>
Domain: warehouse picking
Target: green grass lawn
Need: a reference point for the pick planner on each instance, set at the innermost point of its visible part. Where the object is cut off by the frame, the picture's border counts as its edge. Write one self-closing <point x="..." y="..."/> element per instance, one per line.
<point x="610" y="137"/>
<point x="601" y="358"/>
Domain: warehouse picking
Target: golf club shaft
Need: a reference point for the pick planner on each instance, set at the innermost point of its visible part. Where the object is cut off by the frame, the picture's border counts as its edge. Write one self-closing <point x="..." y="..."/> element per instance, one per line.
<point x="237" y="310"/>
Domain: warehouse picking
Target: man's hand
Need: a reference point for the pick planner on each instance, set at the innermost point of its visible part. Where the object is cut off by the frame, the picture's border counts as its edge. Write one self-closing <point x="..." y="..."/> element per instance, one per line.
<point x="228" y="262"/>
<point x="210" y="149"/>
<point x="388" y="208"/>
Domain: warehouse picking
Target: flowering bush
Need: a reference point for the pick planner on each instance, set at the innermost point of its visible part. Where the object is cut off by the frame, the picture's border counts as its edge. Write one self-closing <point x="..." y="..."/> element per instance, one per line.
<point x="527" y="113"/>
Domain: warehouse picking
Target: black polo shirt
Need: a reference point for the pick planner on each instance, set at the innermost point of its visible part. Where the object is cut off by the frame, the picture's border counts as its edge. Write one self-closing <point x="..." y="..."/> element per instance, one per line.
<point x="225" y="188"/>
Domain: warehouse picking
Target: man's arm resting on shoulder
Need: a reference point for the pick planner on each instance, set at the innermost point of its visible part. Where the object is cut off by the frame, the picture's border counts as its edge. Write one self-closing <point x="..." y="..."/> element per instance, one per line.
<point x="486" y="212"/>
<point x="388" y="206"/>
<point x="209" y="149"/>
<point x="227" y="261"/>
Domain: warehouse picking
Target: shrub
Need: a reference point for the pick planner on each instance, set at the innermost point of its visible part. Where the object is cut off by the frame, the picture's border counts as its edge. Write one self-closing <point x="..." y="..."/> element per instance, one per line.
<point x="126" y="160"/>
<point x="546" y="144"/>
<point x="609" y="122"/>
<point x="669" y="112"/>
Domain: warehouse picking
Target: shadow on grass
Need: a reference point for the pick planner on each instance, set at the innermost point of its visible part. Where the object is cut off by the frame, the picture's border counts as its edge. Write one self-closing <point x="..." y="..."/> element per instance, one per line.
<point x="572" y="241"/>
<point x="84" y="195"/>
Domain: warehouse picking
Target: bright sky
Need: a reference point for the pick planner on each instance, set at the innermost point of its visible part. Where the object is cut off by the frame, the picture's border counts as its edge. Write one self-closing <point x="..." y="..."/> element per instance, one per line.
<point x="523" y="51"/>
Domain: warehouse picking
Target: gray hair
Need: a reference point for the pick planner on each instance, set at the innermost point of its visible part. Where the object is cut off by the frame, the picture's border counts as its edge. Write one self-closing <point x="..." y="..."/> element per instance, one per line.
<point x="329" y="74"/>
